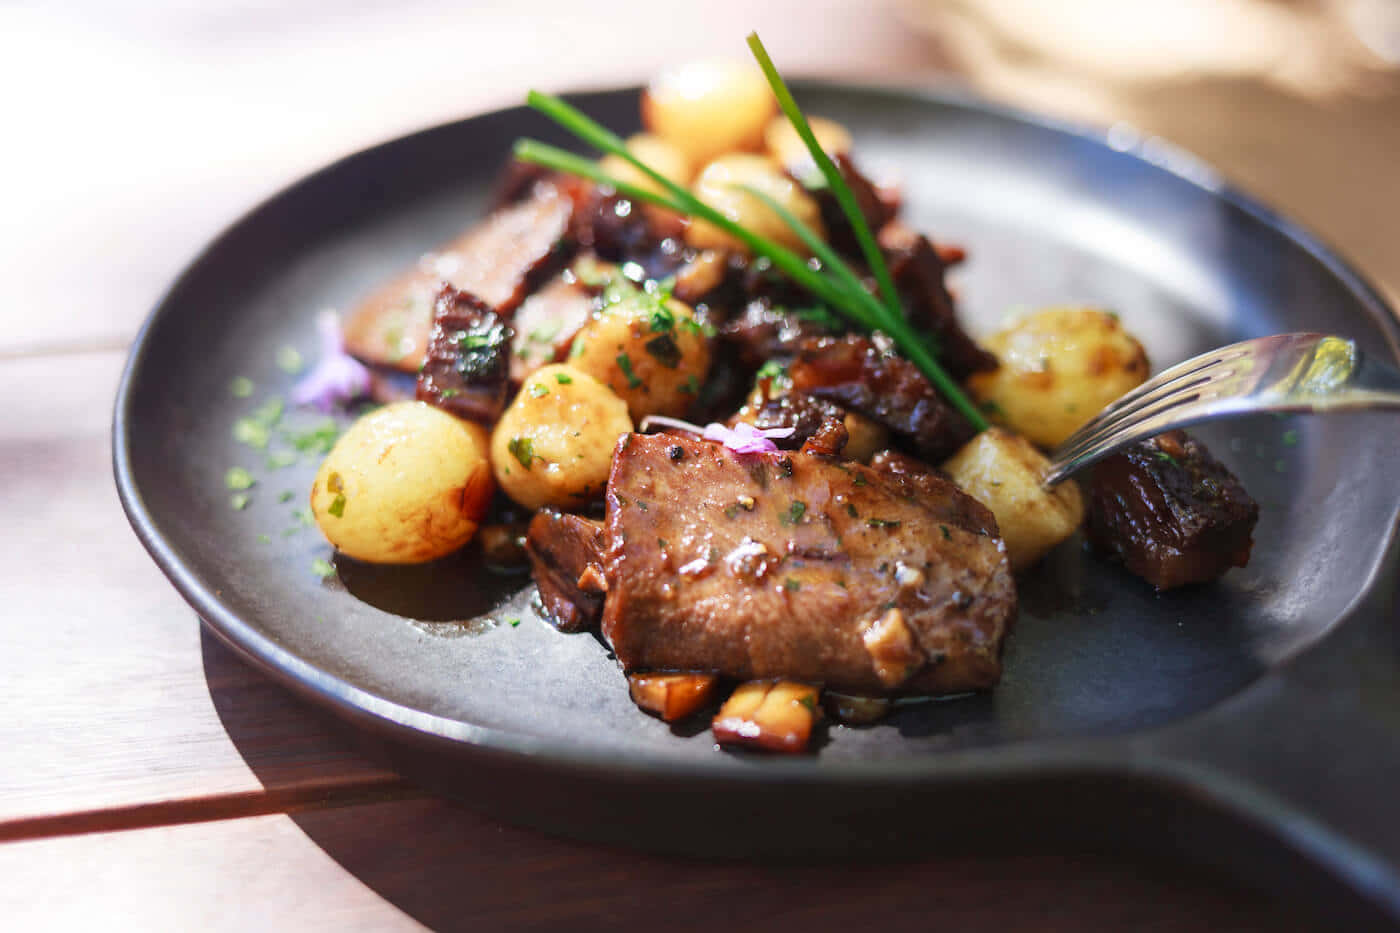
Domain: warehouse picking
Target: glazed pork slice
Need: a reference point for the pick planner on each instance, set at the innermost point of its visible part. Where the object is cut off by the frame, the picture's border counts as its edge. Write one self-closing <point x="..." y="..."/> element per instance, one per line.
<point x="467" y="366"/>
<point x="501" y="260"/>
<point x="1170" y="512"/>
<point x="566" y="555"/>
<point x="794" y="566"/>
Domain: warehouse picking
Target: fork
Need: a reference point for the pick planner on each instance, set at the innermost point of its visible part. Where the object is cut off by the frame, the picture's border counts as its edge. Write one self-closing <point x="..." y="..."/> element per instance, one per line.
<point x="1282" y="373"/>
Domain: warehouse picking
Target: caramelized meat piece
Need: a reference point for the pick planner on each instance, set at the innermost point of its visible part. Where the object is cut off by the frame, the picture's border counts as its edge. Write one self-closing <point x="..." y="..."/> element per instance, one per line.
<point x="859" y="375"/>
<point x="918" y="269"/>
<point x="785" y="565"/>
<point x="805" y="414"/>
<point x="772" y="717"/>
<point x="500" y="260"/>
<point x="468" y="361"/>
<point x="545" y="325"/>
<point x="874" y="207"/>
<point x="1171" y="512"/>
<point x="566" y="554"/>
<point x="672" y="696"/>
<point x="620" y="230"/>
<point x="762" y="332"/>
<point x="829" y="440"/>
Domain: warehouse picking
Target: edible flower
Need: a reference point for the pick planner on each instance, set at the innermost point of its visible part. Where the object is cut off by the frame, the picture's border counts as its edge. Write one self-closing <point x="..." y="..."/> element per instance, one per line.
<point x="744" y="438"/>
<point x="337" y="377"/>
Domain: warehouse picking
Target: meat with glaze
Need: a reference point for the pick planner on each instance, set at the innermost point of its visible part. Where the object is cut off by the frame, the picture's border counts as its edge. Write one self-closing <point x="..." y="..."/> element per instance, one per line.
<point x="467" y="367"/>
<point x="795" y="566"/>
<point x="566" y="556"/>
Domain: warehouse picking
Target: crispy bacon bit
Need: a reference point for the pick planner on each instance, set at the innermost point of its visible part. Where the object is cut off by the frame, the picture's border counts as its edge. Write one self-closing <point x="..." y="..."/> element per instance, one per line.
<point x="773" y="717"/>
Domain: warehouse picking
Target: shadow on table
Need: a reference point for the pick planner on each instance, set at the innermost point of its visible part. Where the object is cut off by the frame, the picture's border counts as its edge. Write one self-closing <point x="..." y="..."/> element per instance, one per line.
<point x="452" y="866"/>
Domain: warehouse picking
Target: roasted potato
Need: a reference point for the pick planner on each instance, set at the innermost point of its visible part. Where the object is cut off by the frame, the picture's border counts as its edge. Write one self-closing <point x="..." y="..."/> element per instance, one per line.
<point x="1003" y="472"/>
<point x="788" y="149"/>
<point x="717" y="186"/>
<point x="405" y="484"/>
<point x="708" y="108"/>
<point x="554" y="443"/>
<point x="1059" y="368"/>
<point x="661" y="155"/>
<point x="654" y="356"/>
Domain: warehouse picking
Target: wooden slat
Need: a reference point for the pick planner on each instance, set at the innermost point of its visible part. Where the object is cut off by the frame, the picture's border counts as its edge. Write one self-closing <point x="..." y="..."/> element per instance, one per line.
<point x="396" y="865"/>
<point x="111" y="700"/>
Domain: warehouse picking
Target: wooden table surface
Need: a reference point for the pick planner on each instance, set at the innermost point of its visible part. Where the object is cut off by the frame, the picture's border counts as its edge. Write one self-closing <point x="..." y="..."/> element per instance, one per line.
<point x="148" y="779"/>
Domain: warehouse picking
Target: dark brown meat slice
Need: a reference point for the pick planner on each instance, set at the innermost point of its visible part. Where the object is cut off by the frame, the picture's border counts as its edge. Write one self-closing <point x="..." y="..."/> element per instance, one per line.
<point x="805" y="414"/>
<point x="874" y="207"/>
<point x="1170" y="512"/>
<point x="500" y="260"/>
<point x="786" y="565"/>
<point x="467" y="367"/>
<point x="918" y="270"/>
<point x="566" y="557"/>
<point x="863" y="377"/>
<point x="761" y="332"/>
<point x="546" y="323"/>
<point x="918" y="478"/>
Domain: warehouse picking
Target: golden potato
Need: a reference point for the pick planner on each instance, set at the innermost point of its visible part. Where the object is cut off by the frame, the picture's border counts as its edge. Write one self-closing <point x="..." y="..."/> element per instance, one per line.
<point x="554" y="443"/>
<point x="655" y="152"/>
<point x="407" y="483"/>
<point x="654" y="356"/>
<point x="788" y="149"/>
<point x="1059" y="368"/>
<point x="1003" y="472"/>
<point x="707" y="108"/>
<point x="717" y="186"/>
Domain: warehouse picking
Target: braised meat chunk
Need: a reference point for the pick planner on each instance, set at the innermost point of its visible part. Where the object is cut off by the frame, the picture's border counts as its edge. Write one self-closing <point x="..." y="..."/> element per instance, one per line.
<point x="468" y="361"/>
<point x="1170" y="512"/>
<point x="789" y="565"/>
<point x="500" y="260"/>
<point x="862" y="376"/>
<point x="546" y="323"/>
<point x="566" y="557"/>
<point x="918" y="270"/>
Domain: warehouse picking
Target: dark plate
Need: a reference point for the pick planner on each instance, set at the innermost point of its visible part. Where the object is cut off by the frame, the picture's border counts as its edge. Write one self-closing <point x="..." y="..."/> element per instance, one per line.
<point x="1255" y="721"/>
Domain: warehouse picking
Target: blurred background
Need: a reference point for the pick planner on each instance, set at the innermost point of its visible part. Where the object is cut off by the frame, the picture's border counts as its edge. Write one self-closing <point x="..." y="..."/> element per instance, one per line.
<point x="138" y="129"/>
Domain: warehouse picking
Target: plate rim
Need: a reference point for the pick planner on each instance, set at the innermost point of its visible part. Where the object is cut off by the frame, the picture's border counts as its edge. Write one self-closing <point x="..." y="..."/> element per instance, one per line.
<point x="1071" y="754"/>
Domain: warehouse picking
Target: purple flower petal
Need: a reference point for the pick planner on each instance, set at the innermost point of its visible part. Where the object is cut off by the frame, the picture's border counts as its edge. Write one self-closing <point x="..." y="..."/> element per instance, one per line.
<point x="337" y="377"/>
<point x="744" y="438"/>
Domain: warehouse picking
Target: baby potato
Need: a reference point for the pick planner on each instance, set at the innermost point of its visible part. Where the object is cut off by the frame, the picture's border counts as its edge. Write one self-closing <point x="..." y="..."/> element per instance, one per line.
<point x="554" y="444"/>
<point x="707" y="108"/>
<point x="655" y="358"/>
<point x="661" y="155"/>
<point x="716" y="186"/>
<point x="788" y="149"/>
<point x="1059" y="368"/>
<point x="1002" y="471"/>
<point x="405" y="484"/>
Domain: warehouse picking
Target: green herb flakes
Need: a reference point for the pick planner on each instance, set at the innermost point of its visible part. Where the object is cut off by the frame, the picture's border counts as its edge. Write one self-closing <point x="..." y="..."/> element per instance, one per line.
<point x="851" y="511"/>
<point x="881" y="523"/>
<point x="338" y="505"/>
<point x="322" y="568"/>
<point x="537" y="390"/>
<point x="241" y="387"/>
<point x="563" y="379"/>
<point x="664" y="349"/>
<point x="624" y="363"/>
<point x="278" y="459"/>
<point x="286" y="496"/>
<point x="794" y="512"/>
<point x="947" y="535"/>
<point x="1290" y="438"/>
<point x="239" y="501"/>
<point x="252" y="432"/>
<point x="792" y="584"/>
<point x="522" y="449"/>
<point x="513" y="623"/>
<point x="264" y="539"/>
<point x="238" y="478"/>
<point x="289" y="360"/>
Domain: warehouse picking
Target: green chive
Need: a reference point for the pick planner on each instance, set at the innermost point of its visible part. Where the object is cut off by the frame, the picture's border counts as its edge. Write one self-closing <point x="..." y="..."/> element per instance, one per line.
<point x="238" y="478"/>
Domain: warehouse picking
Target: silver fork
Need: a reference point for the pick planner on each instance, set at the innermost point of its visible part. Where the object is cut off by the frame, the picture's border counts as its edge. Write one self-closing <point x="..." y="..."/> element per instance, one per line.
<point x="1284" y="373"/>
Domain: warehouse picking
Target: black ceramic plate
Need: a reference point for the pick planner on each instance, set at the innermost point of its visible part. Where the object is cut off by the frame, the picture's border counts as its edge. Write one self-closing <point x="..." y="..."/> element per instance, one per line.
<point x="1253" y="721"/>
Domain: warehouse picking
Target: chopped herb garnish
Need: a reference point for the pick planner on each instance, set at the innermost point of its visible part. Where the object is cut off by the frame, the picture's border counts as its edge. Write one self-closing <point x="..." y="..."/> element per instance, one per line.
<point x="662" y="320"/>
<point x="785" y="467"/>
<point x="576" y="350"/>
<point x="807" y="703"/>
<point x="665" y="350"/>
<point x="947" y="535"/>
<point x="514" y="623"/>
<point x="238" y="478"/>
<point x="770" y="370"/>
<point x="286" y="496"/>
<point x="320" y="438"/>
<point x="642" y="505"/>
<point x="859" y="480"/>
<point x="661" y="543"/>
<point x="1165" y="457"/>
<point x="794" y="512"/>
<point x="241" y="387"/>
<point x="624" y="363"/>
<point x="537" y="390"/>
<point x="289" y="360"/>
<point x="264" y="539"/>
<point x="522" y="449"/>
<point x="304" y="516"/>
<point x="731" y="511"/>
<point x="1290" y="438"/>
<point x="446" y="394"/>
<point x="818" y="315"/>
<point x="881" y="523"/>
<point x="239" y="501"/>
<point x="792" y="584"/>
<point x="851" y="511"/>
<point x="563" y="379"/>
<point x="322" y="568"/>
<point x="338" y="505"/>
<point x="692" y="385"/>
<point x="278" y="459"/>
<point x="252" y="432"/>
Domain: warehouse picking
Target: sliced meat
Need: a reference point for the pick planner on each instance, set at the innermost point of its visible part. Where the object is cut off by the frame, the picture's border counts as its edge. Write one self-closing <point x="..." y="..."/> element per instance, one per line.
<point x="566" y="557"/>
<point x="761" y="332"/>
<point x="786" y="565"/>
<point x="918" y="269"/>
<point x="467" y="367"/>
<point x="863" y="376"/>
<point x="546" y="323"/>
<point x="500" y="260"/>
<point x="804" y="413"/>
<point x="620" y="230"/>
<point x="1170" y="512"/>
<point x="874" y="206"/>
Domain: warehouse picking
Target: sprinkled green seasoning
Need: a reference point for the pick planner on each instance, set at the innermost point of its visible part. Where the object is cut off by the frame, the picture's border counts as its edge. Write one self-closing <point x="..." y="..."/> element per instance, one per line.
<point x="322" y="568"/>
<point x="563" y="379"/>
<point x="807" y="703"/>
<point x="252" y="432"/>
<point x="522" y="449"/>
<point x="241" y="387"/>
<point x="289" y="360"/>
<point x="947" y="535"/>
<point x="662" y="320"/>
<point x="792" y="584"/>
<point x="1290" y="438"/>
<point x="238" y="478"/>
<point x="278" y="459"/>
<point x="239" y="501"/>
<point x="286" y="496"/>
<point x="338" y="505"/>
<point x="665" y="350"/>
<point x="1165" y="457"/>
<point x="851" y="511"/>
<point x="514" y="623"/>
<point x="794" y="512"/>
<point x="537" y="390"/>
<point x="264" y="539"/>
<point x="624" y="363"/>
<point x="881" y="523"/>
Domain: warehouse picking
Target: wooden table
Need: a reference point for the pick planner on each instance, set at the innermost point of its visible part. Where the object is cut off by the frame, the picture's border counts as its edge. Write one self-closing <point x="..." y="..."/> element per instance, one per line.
<point x="148" y="779"/>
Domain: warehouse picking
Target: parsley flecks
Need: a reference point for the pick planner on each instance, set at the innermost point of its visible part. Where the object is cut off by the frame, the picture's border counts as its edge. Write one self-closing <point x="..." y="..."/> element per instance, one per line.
<point x="1165" y="457"/>
<point x="289" y="360"/>
<point x="514" y="623"/>
<point x="1290" y="438"/>
<point x="665" y="350"/>
<point x="239" y="501"/>
<point x="264" y="539"/>
<point x="322" y="568"/>
<point x="819" y="315"/>
<point x="807" y="703"/>
<point x="792" y="584"/>
<point x="320" y="438"/>
<point x="770" y="370"/>
<point x="881" y="523"/>
<point x="537" y="390"/>
<point x="794" y="512"/>
<point x="241" y="387"/>
<point x="947" y="535"/>
<point x="335" y="483"/>
<point x="252" y="432"/>
<point x="662" y="320"/>
<point x="624" y="363"/>
<point x="692" y="385"/>
<point x="286" y="496"/>
<point x="337" y="507"/>
<point x="576" y="350"/>
<point x="238" y="478"/>
<point x="278" y="459"/>
<point x="851" y="511"/>
<point x="563" y="379"/>
<point x="859" y="480"/>
<point x="523" y="450"/>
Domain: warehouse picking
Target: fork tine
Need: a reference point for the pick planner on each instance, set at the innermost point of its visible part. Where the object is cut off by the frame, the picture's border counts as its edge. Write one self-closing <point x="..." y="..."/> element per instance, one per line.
<point x="1084" y="440"/>
<point x="1173" y="375"/>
